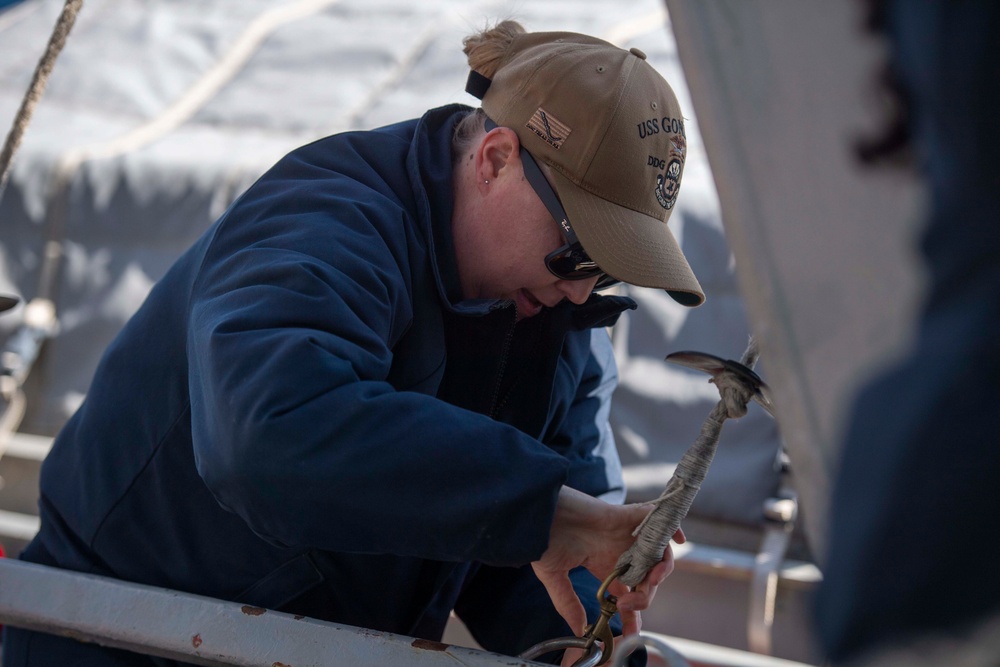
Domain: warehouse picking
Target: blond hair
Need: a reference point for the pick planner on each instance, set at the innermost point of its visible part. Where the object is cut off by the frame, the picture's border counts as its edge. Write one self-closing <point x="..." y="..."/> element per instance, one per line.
<point x="485" y="50"/>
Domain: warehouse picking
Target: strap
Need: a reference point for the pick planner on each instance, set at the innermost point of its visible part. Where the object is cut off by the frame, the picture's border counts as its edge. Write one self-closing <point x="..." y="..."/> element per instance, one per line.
<point x="477" y="84"/>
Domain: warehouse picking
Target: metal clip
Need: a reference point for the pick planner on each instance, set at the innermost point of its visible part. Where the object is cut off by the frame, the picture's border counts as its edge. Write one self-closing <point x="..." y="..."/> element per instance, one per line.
<point x="601" y="630"/>
<point x="594" y="654"/>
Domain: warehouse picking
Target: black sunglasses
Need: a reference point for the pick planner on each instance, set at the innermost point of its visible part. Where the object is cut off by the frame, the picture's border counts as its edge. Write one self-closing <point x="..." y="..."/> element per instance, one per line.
<point x="570" y="261"/>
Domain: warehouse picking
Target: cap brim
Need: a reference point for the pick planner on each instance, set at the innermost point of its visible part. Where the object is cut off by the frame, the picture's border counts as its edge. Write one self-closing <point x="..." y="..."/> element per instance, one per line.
<point x="633" y="247"/>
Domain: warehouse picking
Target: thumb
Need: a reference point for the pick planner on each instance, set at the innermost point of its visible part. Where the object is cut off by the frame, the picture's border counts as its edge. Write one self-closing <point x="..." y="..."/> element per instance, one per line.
<point x="564" y="598"/>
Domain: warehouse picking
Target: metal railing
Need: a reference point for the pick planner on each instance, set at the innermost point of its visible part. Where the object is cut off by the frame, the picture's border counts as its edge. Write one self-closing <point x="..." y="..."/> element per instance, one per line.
<point x="206" y="631"/>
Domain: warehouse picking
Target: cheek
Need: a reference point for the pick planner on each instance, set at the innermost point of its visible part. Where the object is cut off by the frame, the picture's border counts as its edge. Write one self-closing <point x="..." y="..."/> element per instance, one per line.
<point x="539" y="239"/>
<point x="525" y="236"/>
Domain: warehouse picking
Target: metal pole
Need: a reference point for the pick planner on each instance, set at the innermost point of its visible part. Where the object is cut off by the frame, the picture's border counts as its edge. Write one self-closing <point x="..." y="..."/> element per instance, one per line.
<point x="206" y="631"/>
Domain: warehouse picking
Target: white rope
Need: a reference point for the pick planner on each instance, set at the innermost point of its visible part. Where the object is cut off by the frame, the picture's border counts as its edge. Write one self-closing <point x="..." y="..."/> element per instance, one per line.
<point x="354" y="117"/>
<point x="201" y="91"/>
<point x="181" y="110"/>
<point x="654" y="533"/>
<point x="37" y="86"/>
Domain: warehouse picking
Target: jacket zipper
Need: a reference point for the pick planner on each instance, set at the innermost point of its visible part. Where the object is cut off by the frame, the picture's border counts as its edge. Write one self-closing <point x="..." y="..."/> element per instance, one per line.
<point x="504" y="354"/>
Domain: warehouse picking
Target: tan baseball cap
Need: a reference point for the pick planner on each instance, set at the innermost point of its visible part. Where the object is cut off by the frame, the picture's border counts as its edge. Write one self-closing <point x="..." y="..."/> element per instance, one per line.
<point x="611" y="131"/>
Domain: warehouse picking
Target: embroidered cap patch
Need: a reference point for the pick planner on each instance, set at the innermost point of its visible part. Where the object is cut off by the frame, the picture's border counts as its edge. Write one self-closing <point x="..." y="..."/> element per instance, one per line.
<point x="548" y="127"/>
<point x="669" y="182"/>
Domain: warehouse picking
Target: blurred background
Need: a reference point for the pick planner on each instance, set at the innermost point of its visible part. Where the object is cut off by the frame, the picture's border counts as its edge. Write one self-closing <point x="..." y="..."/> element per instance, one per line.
<point x="159" y="113"/>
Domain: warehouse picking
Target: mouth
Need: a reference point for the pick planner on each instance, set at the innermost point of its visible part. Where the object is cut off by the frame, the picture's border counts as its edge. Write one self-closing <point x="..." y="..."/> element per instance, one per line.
<point x="527" y="304"/>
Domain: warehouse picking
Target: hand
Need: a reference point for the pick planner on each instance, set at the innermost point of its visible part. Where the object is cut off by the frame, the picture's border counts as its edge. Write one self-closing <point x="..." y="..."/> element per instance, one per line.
<point x="589" y="532"/>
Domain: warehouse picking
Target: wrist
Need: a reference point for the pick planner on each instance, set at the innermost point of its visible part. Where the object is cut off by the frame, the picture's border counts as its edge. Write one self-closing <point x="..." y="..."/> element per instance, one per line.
<point x="578" y="514"/>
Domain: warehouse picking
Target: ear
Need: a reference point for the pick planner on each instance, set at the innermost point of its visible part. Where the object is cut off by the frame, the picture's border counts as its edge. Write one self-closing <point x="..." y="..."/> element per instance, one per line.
<point x="497" y="154"/>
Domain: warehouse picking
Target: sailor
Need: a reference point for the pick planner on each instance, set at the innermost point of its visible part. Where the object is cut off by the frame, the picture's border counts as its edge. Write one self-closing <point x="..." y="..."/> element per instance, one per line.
<point x="377" y="389"/>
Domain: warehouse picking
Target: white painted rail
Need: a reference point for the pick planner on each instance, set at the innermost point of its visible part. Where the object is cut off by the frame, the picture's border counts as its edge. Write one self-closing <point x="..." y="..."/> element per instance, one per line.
<point x="206" y="631"/>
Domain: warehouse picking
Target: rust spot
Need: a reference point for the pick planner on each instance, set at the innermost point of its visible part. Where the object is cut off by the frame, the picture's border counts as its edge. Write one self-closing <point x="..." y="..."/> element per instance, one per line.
<point x="279" y="664"/>
<point x="429" y="645"/>
<point x="298" y="617"/>
<point x="252" y="611"/>
<point x="196" y="641"/>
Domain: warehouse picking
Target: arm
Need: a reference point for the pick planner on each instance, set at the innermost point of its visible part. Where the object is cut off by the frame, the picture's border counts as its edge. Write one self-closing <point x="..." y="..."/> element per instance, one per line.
<point x="295" y="428"/>
<point x="587" y="534"/>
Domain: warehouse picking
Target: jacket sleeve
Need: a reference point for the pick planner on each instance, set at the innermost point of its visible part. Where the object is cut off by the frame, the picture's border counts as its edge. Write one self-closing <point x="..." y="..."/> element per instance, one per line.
<point x="581" y="430"/>
<point x="295" y="428"/>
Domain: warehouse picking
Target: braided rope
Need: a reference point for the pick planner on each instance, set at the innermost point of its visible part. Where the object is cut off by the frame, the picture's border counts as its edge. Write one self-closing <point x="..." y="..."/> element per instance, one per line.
<point x="38" y="81"/>
<point x="654" y="533"/>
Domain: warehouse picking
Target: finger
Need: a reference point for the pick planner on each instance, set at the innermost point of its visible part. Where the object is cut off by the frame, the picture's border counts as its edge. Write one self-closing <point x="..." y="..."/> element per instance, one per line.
<point x="635" y="601"/>
<point x="564" y="599"/>
<point x="631" y="622"/>
<point x="680" y="537"/>
<point x="619" y="638"/>
<point x="641" y="597"/>
<point x="570" y="657"/>
<point x="658" y="573"/>
<point x="638" y="599"/>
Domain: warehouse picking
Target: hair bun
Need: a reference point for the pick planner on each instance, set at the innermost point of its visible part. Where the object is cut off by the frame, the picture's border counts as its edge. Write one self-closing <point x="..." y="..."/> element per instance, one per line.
<point x="485" y="50"/>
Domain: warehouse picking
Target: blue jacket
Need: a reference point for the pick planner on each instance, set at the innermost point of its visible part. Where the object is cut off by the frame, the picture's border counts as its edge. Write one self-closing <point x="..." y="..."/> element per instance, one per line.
<point x="305" y="411"/>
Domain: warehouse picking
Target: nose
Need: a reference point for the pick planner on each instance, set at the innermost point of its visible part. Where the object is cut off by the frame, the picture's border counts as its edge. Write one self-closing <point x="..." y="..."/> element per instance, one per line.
<point x="578" y="291"/>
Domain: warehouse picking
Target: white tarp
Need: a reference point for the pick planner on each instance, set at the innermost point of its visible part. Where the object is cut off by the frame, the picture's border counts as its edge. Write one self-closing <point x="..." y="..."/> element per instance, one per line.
<point x="785" y="89"/>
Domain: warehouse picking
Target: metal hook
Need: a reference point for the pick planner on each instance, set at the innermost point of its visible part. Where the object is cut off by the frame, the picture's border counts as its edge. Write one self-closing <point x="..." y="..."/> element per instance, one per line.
<point x="591" y="658"/>
<point x="600" y="631"/>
